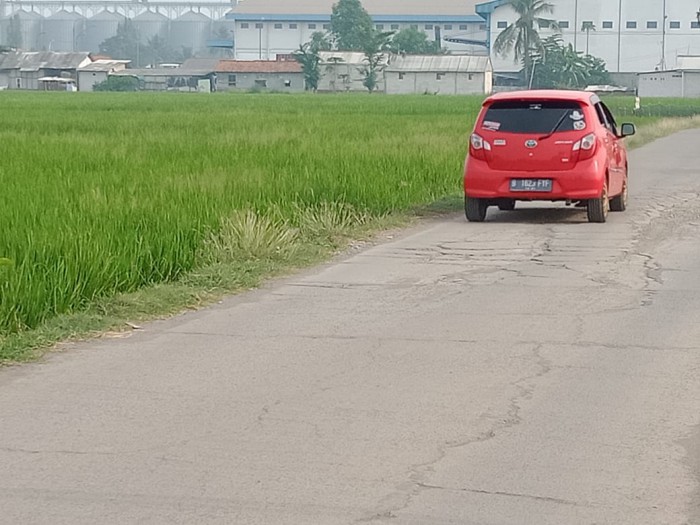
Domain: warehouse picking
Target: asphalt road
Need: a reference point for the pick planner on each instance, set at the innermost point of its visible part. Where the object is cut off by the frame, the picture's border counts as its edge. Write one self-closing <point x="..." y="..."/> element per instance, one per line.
<point x="534" y="369"/>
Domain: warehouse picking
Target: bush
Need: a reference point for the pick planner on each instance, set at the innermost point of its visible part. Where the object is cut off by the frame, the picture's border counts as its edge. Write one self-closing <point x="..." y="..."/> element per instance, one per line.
<point x="114" y="83"/>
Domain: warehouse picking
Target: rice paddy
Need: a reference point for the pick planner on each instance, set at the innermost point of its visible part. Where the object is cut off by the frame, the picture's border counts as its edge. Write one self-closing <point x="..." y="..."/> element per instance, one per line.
<point x="103" y="194"/>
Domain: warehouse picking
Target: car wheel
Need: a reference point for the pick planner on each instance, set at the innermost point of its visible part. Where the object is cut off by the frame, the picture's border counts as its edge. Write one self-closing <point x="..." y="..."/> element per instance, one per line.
<point x="506" y="204"/>
<point x="598" y="208"/>
<point x="475" y="209"/>
<point x="619" y="203"/>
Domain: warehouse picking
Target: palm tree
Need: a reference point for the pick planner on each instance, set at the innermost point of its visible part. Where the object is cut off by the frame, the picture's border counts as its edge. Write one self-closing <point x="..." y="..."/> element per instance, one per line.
<point x="587" y="27"/>
<point x="522" y="36"/>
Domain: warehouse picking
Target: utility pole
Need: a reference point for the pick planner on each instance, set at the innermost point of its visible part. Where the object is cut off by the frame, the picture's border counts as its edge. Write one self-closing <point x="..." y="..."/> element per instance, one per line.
<point x="575" y="24"/>
<point x="619" y="36"/>
<point x="663" y="38"/>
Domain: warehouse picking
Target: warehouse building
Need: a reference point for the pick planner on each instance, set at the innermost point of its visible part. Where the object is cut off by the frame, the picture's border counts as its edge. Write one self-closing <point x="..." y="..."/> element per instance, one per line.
<point x="439" y="75"/>
<point x="267" y="28"/>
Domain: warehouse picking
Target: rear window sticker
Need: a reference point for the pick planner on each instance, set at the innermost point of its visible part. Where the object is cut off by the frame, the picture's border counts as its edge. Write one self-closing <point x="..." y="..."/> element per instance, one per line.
<point x="579" y="125"/>
<point x="576" y="115"/>
<point x="493" y="126"/>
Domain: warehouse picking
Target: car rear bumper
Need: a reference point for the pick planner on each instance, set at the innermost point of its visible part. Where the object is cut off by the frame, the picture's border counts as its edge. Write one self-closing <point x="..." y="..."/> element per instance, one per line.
<point x="584" y="181"/>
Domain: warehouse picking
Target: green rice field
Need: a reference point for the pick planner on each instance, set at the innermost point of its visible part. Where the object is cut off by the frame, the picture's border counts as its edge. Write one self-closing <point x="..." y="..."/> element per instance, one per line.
<point x="102" y="194"/>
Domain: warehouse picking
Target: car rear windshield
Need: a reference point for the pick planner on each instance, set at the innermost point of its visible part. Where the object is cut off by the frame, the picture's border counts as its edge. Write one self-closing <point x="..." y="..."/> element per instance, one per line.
<point x="532" y="116"/>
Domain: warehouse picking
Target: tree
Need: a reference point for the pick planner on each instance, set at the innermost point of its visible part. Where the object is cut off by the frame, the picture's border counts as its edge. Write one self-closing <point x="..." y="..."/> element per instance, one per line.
<point x="125" y="45"/>
<point x="587" y="27"/>
<point x="522" y="36"/>
<point x="157" y="51"/>
<point x="14" y="33"/>
<point x="351" y="25"/>
<point x="308" y="58"/>
<point x="562" y="67"/>
<point x="413" y="42"/>
<point x="375" y="46"/>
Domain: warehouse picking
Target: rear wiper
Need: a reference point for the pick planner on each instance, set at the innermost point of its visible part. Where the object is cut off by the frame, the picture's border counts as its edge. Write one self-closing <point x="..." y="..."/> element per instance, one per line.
<point x="559" y="123"/>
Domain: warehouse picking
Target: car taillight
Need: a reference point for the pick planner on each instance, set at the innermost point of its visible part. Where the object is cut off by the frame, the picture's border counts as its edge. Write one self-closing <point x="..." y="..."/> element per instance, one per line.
<point x="478" y="146"/>
<point x="586" y="146"/>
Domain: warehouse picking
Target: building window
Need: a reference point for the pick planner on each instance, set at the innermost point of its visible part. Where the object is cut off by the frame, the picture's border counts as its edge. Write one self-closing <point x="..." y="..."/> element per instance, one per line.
<point x="287" y="83"/>
<point x="245" y="25"/>
<point x="414" y="26"/>
<point x="631" y="25"/>
<point x="278" y="26"/>
<point x="652" y="24"/>
<point x="448" y="27"/>
<point x="292" y="26"/>
<point x="695" y="25"/>
<point x="439" y="76"/>
<point x="19" y="83"/>
<point x="326" y="26"/>
<point x="607" y="24"/>
<point x="261" y="83"/>
<point x="482" y="27"/>
<point x="380" y="27"/>
<point x="428" y="26"/>
<point x="394" y="27"/>
<point x="232" y="80"/>
<point x="401" y="76"/>
<point x="564" y="24"/>
<point x="312" y="26"/>
<point x="675" y="25"/>
<point x="258" y="26"/>
<point x="463" y="27"/>
<point x="502" y="24"/>
<point x="471" y="76"/>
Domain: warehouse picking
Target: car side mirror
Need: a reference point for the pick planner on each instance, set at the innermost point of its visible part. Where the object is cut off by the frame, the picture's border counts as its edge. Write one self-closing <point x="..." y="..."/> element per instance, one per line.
<point x="627" y="130"/>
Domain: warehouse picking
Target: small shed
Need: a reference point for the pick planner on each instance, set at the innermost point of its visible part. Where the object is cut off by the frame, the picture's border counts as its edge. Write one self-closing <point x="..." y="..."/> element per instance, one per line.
<point x="439" y="75"/>
<point x="343" y="71"/>
<point x="22" y="70"/>
<point x="97" y="72"/>
<point x="681" y="82"/>
<point x="264" y="75"/>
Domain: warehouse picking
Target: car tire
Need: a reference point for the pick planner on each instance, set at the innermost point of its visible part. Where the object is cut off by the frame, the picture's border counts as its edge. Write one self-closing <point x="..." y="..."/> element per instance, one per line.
<point x="506" y="204"/>
<point x="619" y="203"/>
<point x="475" y="209"/>
<point x="598" y="208"/>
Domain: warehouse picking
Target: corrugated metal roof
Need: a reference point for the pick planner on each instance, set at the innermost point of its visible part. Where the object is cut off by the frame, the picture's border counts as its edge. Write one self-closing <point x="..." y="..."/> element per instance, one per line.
<point x="441" y="63"/>
<point x="164" y="72"/>
<point x="201" y="63"/>
<point x="34" y="61"/>
<point x="257" y="66"/>
<point x="105" y="65"/>
<point x="373" y="7"/>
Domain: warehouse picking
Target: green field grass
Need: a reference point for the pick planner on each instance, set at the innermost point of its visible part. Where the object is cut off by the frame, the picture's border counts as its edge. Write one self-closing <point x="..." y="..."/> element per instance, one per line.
<point x="106" y="194"/>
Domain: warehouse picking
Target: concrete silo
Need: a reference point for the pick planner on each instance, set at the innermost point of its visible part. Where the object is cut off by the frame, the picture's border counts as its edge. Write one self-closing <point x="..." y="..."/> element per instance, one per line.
<point x="97" y="29"/>
<point x="29" y="28"/>
<point x="190" y="32"/>
<point x="61" y="31"/>
<point x="150" y="24"/>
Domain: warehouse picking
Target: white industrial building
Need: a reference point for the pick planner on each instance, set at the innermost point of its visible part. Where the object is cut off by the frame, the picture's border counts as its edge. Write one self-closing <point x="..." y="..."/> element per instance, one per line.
<point x="267" y="28"/>
<point x="630" y="35"/>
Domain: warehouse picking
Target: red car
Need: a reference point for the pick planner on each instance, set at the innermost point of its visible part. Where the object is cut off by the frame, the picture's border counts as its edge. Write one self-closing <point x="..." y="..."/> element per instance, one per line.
<point x="546" y="145"/>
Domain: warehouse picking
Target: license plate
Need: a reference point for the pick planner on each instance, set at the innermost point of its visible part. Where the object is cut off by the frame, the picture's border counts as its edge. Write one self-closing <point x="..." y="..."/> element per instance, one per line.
<point x="535" y="185"/>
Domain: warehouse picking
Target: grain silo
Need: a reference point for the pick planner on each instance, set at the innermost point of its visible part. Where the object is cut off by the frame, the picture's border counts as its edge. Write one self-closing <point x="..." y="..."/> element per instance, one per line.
<point x="29" y="27"/>
<point x="190" y="32"/>
<point x="149" y="24"/>
<point x="100" y="27"/>
<point x="61" y="31"/>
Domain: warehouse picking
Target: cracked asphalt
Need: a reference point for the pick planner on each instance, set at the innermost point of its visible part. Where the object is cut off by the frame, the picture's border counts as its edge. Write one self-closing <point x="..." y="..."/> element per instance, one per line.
<point x="534" y="369"/>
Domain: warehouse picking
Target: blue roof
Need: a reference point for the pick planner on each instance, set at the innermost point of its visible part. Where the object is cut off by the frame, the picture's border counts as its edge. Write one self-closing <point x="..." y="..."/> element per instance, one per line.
<point x="489" y="7"/>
